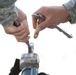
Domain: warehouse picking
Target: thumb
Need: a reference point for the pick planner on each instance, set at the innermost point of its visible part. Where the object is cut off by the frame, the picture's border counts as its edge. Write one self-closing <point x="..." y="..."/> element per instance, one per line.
<point x="38" y="29"/>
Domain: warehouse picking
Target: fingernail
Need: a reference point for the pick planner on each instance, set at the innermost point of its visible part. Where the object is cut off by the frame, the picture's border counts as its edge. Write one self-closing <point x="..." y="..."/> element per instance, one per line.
<point x="36" y="35"/>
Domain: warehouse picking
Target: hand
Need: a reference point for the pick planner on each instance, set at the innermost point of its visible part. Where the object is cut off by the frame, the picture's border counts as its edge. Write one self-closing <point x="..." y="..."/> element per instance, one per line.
<point x="21" y="32"/>
<point x="54" y="15"/>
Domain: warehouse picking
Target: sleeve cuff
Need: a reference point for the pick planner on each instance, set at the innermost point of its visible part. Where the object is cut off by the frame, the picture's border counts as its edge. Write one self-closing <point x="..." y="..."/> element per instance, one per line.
<point x="71" y="7"/>
<point x="8" y="15"/>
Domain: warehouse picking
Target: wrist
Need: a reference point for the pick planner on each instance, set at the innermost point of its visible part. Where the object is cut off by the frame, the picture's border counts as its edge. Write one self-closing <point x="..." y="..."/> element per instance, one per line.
<point x="66" y="16"/>
<point x="21" y="15"/>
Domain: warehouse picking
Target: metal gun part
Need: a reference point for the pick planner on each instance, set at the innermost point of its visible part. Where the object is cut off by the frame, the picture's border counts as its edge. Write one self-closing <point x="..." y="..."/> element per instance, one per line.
<point x="65" y="33"/>
<point x="29" y="62"/>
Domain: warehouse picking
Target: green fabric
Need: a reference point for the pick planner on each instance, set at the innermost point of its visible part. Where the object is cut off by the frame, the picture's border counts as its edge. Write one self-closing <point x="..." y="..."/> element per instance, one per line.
<point x="8" y="14"/>
<point x="6" y="2"/>
<point x="71" y="7"/>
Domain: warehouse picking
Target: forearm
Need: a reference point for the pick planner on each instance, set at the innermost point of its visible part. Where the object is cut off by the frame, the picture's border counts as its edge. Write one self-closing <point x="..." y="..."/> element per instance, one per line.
<point x="71" y="7"/>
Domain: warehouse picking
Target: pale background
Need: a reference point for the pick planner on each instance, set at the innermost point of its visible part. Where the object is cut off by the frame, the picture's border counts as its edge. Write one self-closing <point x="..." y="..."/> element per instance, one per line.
<point x="57" y="52"/>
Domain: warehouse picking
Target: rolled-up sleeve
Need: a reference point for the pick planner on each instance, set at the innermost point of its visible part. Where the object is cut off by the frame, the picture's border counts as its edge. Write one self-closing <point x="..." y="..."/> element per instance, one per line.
<point x="71" y="7"/>
<point x="8" y="14"/>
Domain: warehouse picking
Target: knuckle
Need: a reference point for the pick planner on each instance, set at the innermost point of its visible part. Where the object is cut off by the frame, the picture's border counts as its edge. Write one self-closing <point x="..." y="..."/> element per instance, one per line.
<point x="43" y="7"/>
<point x="7" y="31"/>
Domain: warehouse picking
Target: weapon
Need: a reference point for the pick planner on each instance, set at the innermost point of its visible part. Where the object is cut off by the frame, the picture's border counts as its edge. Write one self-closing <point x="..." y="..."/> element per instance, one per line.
<point x="65" y="33"/>
<point x="29" y="62"/>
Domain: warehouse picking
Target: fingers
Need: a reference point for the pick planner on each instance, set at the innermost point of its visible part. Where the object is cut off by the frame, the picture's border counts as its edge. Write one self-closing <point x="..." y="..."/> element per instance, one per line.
<point x="13" y="29"/>
<point x="21" y="33"/>
<point x="23" y="40"/>
<point x="37" y="24"/>
<point x="36" y="33"/>
<point x="40" y="27"/>
<point x="52" y="26"/>
<point x="35" y="18"/>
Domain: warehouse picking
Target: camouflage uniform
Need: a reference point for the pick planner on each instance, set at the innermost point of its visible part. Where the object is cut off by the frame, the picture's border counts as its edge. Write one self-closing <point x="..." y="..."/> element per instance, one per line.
<point x="8" y="12"/>
<point x="71" y="7"/>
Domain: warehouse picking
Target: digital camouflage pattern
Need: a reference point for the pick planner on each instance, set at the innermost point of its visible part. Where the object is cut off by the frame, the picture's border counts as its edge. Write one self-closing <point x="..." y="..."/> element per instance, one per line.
<point x="8" y="12"/>
<point x="71" y="7"/>
<point x="6" y="2"/>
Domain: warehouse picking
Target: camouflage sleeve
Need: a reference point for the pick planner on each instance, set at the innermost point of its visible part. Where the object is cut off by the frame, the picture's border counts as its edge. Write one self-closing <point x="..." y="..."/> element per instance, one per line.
<point x="71" y="7"/>
<point x="8" y="14"/>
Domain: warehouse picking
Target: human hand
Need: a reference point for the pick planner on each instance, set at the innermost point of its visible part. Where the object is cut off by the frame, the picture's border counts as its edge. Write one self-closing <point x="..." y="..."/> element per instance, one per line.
<point x="21" y="32"/>
<point x="54" y="15"/>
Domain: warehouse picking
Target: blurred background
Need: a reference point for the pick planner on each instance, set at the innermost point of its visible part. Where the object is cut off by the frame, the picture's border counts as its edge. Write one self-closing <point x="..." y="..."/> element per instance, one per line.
<point x="57" y="52"/>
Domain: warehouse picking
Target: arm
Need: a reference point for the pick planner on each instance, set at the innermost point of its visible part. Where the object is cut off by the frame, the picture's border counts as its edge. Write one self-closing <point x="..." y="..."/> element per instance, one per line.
<point x="21" y="32"/>
<point x="8" y="14"/>
<point x="54" y="15"/>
